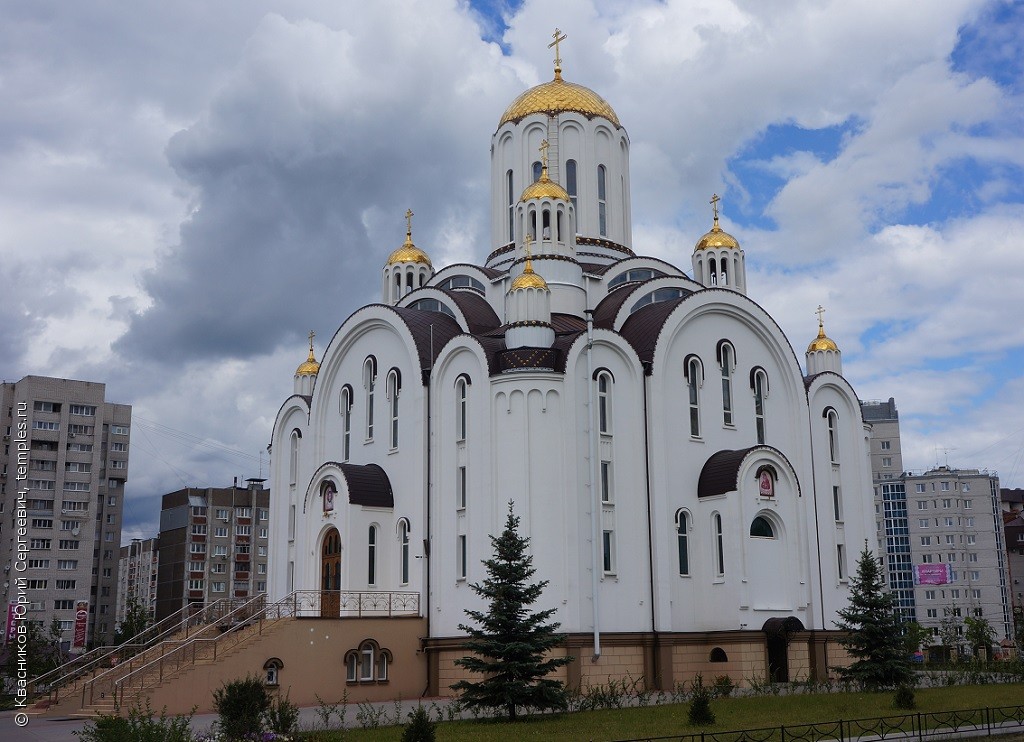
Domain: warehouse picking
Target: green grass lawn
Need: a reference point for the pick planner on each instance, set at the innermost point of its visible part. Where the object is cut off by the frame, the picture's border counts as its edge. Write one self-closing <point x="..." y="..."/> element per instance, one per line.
<point x="732" y="714"/>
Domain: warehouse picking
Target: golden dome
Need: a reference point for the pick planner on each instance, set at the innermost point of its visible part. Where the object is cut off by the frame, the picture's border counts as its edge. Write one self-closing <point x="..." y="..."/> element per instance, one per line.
<point x="310" y="367"/>
<point x="408" y="253"/>
<point x="822" y="342"/>
<point x="717" y="237"/>
<point x="528" y="279"/>
<point x="544" y="187"/>
<point x="555" y="97"/>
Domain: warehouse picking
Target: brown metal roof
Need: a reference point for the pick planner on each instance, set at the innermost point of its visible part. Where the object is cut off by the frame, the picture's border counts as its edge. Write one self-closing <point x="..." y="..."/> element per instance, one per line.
<point x="607" y="309"/>
<point x="420" y="323"/>
<point x="523" y="358"/>
<point x="368" y="485"/>
<point x="642" y="328"/>
<point x="720" y="472"/>
<point x="480" y="317"/>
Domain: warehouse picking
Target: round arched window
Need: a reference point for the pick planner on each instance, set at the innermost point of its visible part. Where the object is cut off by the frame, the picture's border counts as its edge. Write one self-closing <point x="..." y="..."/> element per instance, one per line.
<point x="762" y="528"/>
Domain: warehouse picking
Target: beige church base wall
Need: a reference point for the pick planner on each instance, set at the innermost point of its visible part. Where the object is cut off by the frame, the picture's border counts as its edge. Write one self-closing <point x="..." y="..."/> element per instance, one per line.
<point x="312" y="652"/>
<point x="662" y="661"/>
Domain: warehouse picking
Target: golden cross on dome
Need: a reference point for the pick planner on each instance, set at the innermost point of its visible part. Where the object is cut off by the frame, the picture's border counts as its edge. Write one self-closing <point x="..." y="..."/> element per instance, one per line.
<point x="529" y="241"/>
<point x="715" y="198"/>
<point x="544" y="153"/>
<point x="820" y="311"/>
<point x="408" y="222"/>
<point x="558" y="37"/>
<point x="311" y="336"/>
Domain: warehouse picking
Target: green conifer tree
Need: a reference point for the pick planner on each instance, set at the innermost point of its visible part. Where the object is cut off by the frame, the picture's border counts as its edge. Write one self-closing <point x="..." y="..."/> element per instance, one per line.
<point x="511" y="644"/>
<point x="873" y="636"/>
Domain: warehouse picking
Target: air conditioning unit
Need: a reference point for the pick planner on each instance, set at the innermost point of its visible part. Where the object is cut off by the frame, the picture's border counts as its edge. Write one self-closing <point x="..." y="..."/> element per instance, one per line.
<point x="63" y="511"/>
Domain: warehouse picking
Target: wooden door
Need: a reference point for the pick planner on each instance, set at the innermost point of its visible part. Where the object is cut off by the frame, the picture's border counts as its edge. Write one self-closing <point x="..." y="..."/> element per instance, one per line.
<point x="330" y="575"/>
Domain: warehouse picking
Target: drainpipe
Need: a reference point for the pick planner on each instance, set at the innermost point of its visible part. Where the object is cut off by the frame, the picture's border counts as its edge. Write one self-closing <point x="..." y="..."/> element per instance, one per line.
<point x="814" y="502"/>
<point x="650" y="525"/>
<point x="428" y="380"/>
<point x="595" y="504"/>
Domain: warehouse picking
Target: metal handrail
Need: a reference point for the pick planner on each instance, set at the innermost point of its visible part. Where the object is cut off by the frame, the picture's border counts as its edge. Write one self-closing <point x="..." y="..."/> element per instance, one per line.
<point x="206" y="618"/>
<point x="80" y="665"/>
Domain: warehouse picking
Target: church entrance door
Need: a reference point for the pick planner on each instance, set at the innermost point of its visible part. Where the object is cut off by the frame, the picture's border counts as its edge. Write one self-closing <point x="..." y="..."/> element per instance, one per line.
<point x="330" y="575"/>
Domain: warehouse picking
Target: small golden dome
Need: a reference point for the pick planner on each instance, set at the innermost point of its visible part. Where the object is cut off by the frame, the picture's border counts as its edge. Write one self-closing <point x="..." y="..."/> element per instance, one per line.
<point x="717" y="237"/>
<point x="528" y="279"/>
<point x="408" y="253"/>
<point x="557" y="96"/>
<point x="310" y="367"/>
<point x="823" y="341"/>
<point x="544" y="187"/>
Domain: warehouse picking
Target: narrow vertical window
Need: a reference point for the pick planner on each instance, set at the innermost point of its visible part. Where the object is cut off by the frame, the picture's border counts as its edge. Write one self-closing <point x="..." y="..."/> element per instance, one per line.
<point x="460" y="488"/>
<point x="369" y="382"/>
<point x="604" y="411"/>
<point x="393" y="390"/>
<point x="460" y="556"/>
<point x="719" y="546"/>
<point x="608" y="552"/>
<point x="833" y="433"/>
<point x="570" y="185"/>
<point x="713" y="271"/>
<point x="346" y="423"/>
<point x="511" y="206"/>
<point x="462" y="401"/>
<point x="293" y="458"/>
<point x="291" y="522"/>
<point x="759" y="389"/>
<point x="727" y="362"/>
<point x="602" y="202"/>
<point x="403" y="541"/>
<point x="682" y="542"/>
<point x="536" y="171"/>
<point x="692" y="383"/>
<point x="841" y="561"/>
<point x="606" y="481"/>
<point x="371" y="544"/>
<point x="837" y="504"/>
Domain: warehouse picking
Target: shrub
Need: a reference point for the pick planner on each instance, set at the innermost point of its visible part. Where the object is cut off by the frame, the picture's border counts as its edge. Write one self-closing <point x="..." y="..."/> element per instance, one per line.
<point x="420" y="728"/>
<point x="241" y="705"/>
<point x="724" y="686"/>
<point x="903" y="699"/>
<point x="138" y="726"/>
<point x="282" y="717"/>
<point x="700" y="713"/>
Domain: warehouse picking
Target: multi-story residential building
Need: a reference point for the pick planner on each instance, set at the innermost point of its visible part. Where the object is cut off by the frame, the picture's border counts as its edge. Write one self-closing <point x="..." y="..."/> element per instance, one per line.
<point x="941" y="533"/>
<point x="137" y="576"/>
<point x="64" y="459"/>
<point x="1013" y="524"/>
<point x="212" y="545"/>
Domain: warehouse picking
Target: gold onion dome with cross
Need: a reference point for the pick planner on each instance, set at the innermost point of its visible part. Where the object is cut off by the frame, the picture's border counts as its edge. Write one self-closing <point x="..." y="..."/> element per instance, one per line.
<point x="544" y="187"/>
<point x="823" y="341"/>
<point x="558" y="96"/>
<point x="310" y="367"/>
<point x="528" y="279"/>
<point x="408" y="252"/>
<point x="717" y="237"/>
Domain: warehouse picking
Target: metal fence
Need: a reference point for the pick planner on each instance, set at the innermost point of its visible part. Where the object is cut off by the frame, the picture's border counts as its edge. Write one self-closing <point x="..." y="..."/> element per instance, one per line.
<point x="910" y="726"/>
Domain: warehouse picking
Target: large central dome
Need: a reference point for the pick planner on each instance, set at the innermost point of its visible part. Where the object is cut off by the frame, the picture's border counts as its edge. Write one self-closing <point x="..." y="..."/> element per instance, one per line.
<point x="557" y="96"/>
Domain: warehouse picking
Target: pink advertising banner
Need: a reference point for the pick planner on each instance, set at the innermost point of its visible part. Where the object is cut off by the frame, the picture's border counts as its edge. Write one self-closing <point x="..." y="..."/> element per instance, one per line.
<point x="12" y="608"/>
<point x="81" y="622"/>
<point x="932" y="574"/>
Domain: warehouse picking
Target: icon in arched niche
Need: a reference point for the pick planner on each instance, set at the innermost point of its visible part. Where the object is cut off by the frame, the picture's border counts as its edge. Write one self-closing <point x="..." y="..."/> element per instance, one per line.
<point x="328" y="492"/>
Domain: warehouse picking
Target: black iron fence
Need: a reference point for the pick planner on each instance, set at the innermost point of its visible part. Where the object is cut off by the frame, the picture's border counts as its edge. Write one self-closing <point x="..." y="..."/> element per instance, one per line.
<point x="909" y="726"/>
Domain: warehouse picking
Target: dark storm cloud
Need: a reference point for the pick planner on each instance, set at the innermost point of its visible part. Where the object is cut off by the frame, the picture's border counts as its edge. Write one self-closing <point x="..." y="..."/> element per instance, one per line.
<point x="303" y="167"/>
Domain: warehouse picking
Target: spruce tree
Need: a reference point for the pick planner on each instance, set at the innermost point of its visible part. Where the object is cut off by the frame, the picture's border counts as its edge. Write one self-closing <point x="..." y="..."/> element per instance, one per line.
<point x="511" y="643"/>
<point x="873" y="636"/>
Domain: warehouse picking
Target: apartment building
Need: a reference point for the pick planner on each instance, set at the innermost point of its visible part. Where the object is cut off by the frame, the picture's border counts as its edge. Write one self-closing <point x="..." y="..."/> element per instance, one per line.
<point x="137" y="576"/>
<point x="63" y="469"/>
<point x="212" y="545"/>
<point x="1013" y="524"/>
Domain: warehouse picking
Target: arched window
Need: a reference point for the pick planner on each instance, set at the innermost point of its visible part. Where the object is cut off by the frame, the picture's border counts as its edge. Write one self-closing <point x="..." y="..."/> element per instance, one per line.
<point x="761" y="527"/>
<point x="682" y="541"/>
<point x="366" y="660"/>
<point x="718" y="655"/>
<point x="604" y="402"/>
<point x="832" y="420"/>
<point x="693" y="379"/>
<point x="570" y="185"/>
<point x="536" y="171"/>
<point x="602" y="201"/>
<point x="726" y="356"/>
<point x="511" y="206"/>
<point x="371" y="553"/>
<point x="394" y="387"/>
<point x="369" y="382"/>
<point x="760" y="392"/>
<point x="719" y="545"/>
<point x="403" y="546"/>
<point x="713" y="271"/>
<point x="272" y="668"/>
<point x="724" y="262"/>
<point x="461" y="408"/>
<point x="346" y="422"/>
<point x="293" y="457"/>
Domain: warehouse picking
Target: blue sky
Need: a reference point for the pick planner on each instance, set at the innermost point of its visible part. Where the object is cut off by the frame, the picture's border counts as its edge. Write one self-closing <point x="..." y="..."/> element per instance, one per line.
<point x="187" y="189"/>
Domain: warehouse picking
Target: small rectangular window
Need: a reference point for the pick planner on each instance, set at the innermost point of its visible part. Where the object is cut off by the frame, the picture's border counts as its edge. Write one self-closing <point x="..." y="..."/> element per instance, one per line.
<point x="461" y="557"/>
<point x="608" y="552"/>
<point x="606" y="481"/>
<point x="460" y="488"/>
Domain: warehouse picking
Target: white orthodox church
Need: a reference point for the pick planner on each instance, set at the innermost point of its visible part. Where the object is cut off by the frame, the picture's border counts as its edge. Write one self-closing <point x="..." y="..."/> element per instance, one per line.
<point x="694" y="497"/>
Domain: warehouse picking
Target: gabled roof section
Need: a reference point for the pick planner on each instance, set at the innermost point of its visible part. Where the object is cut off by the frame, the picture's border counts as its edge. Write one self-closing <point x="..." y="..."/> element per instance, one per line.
<point x="643" y="327"/>
<point x="428" y="343"/>
<point x="368" y="485"/>
<point x="479" y="314"/>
